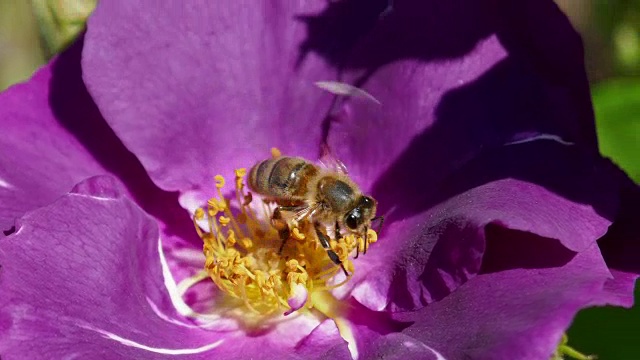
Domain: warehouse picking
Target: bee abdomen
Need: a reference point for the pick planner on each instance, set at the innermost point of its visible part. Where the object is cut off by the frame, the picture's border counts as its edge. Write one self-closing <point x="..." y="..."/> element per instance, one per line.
<point x="283" y="177"/>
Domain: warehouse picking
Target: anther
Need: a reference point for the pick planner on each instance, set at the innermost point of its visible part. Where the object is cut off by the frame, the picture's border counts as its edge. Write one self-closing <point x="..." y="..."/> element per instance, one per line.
<point x="348" y="266"/>
<point x="297" y="234"/>
<point x="246" y="243"/>
<point x="372" y="236"/>
<point x="241" y="172"/>
<point x="231" y="238"/>
<point x="292" y="264"/>
<point x="219" y="181"/>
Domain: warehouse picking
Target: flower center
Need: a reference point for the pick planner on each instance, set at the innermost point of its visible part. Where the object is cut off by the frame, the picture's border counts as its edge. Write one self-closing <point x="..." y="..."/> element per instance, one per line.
<point x="246" y="260"/>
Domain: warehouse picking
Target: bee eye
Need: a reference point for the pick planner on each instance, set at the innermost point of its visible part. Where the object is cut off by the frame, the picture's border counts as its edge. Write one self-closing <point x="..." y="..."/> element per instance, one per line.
<point x="366" y="202"/>
<point x="352" y="221"/>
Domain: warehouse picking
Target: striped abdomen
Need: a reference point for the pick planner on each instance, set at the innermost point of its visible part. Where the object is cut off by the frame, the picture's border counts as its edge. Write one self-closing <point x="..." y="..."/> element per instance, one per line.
<point x="283" y="177"/>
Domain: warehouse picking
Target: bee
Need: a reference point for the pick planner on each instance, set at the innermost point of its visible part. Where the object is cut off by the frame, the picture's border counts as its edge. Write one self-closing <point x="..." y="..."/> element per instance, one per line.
<point x="324" y="195"/>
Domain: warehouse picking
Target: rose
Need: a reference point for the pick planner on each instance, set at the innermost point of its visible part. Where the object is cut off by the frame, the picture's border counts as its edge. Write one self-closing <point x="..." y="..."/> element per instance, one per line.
<point x="500" y="213"/>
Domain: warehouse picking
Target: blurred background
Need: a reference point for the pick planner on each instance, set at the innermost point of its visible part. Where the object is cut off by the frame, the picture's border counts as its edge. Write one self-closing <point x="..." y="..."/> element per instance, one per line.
<point x="32" y="30"/>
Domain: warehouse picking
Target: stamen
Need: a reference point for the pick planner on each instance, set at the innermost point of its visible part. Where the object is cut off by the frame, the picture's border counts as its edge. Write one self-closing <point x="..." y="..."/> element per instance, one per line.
<point x="241" y="247"/>
<point x="297" y="234"/>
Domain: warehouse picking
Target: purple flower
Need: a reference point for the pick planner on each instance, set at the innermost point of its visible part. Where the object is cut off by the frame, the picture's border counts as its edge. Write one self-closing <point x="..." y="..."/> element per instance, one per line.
<point x="501" y="219"/>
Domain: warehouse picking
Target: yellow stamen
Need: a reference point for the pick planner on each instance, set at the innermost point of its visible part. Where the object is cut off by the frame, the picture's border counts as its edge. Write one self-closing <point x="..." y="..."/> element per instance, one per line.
<point x="242" y="254"/>
<point x="297" y="234"/>
<point x="372" y="236"/>
<point x="240" y="173"/>
<point x="219" y="181"/>
<point x="246" y="243"/>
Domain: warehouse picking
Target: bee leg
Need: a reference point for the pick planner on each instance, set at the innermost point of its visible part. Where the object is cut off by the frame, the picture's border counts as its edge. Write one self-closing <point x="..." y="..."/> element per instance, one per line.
<point x="284" y="235"/>
<point x="358" y="249"/>
<point x="366" y="234"/>
<point x="281" y="225"/>
<point x="366" y="240"/>
<point x="324" y="241"/>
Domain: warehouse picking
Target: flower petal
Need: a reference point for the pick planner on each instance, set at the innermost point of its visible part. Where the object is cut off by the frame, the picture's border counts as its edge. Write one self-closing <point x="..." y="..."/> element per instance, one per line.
<point x="376" y="335"/>
<point x="298" y="298"/>
<point x="41" y="157"/>
<point x="226" y="90"/>
<point x="420" y="95"/>
<point x="324" y="342"/>
<point x="423" y="258"/>
<point x="78" y="278"/>
<point x="391" y="346"/>
<point x="55" y="137"/>
<point x="84" y="276"/>
<point x="494" y="75"/>
<point x="511" y="314"/>
<point x="506" y="313"/>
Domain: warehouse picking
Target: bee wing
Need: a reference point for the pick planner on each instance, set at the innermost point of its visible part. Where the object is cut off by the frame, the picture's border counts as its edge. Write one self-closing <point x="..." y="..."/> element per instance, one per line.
<point x="298" y="213"/>
<point x="308" y="211"/>
<point x="345" y="89"/>
<point x="331" y="162"/>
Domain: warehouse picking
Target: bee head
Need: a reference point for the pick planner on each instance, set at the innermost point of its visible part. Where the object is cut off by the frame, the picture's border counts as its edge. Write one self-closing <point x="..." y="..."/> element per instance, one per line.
<point x="361" y="214"/>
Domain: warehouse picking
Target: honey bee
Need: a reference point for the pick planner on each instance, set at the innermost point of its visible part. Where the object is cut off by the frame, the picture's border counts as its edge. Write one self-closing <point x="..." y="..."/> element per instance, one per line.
<point x="323" y="195"/>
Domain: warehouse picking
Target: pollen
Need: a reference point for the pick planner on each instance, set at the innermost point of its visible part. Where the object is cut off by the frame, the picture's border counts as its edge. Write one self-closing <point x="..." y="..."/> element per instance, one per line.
<point x="247" y="260"/>
<point x="297" y="234"/>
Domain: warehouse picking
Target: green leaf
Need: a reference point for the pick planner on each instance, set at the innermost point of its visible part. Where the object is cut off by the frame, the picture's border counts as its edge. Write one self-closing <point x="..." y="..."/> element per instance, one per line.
<point x="617" y="107"/>
<point x="608" y="332"/>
